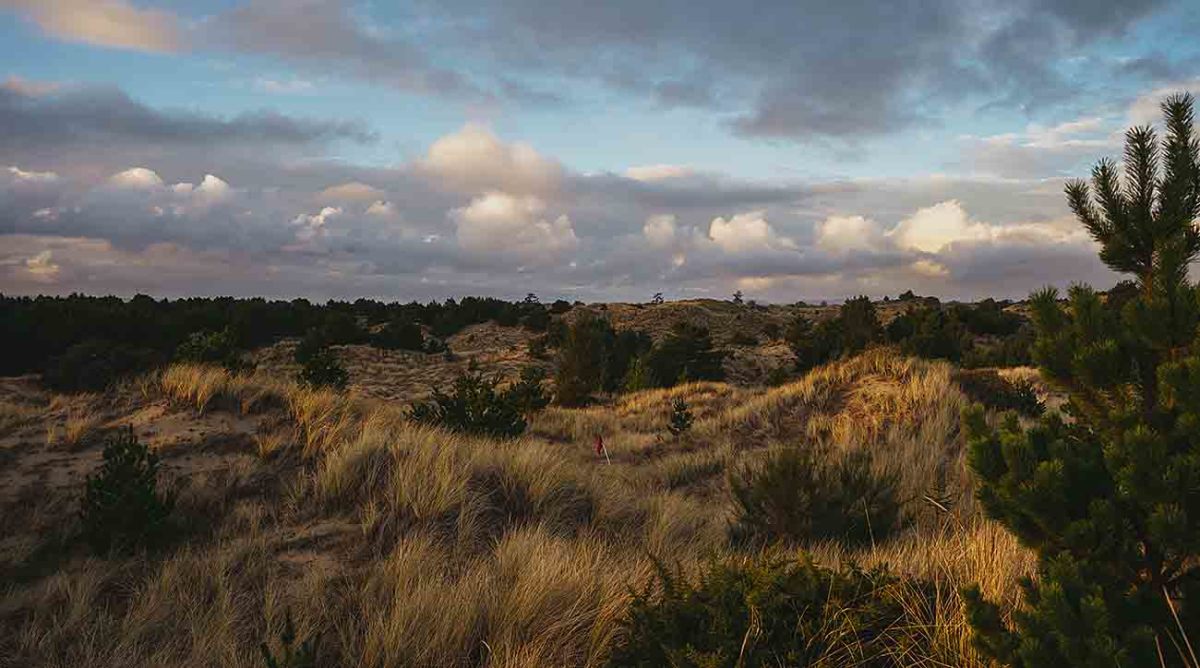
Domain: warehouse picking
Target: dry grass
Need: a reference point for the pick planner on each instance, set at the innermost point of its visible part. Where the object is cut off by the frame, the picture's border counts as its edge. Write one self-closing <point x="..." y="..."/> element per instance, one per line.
<point x="402" y="544"/>
<point x="73" y="420"/>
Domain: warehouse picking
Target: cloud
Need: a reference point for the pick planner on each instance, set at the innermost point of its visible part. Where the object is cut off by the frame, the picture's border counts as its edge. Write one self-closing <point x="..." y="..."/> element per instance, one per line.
<point x="42" y="267"/>
<point x="288" y="87"/>
<point x="849" y="233"/>
<point x="102" y="115"/>
<point x="29" y="88"/>
<point x="798" y="70"/>
<point x="1042" y="151"/>
<point x="746" y="233"/>
<point x="513" y="226"/>
<point x="658" y="172"/>
<point x="19" y="175"/>
<point x="111" y="23"/>
<point x="659" y="230"/>
<point x="473" y="159"/>
<point x="98" y="130"/>
<point x="1147" y="108"/>
<point x="327" y="36"/>
<point x="352" y="191"/>
<point x="933" y="228"/>
<point x="139" y="178"/>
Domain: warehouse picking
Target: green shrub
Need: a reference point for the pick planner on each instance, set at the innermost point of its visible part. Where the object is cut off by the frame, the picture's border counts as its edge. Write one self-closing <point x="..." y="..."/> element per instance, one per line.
<point x="527" y="393"/>
<point x="767" y="613"/>
<point x="310" y="345"/>
<point x="474" y="407"/>
<point x="435" y="346"/>
<point x="583" y="360"/>
<point x="1109" y="500"/>
<point x="638" y="376"/>
<point x="989" y="388"/>
<point x="122" y="508"/>
<point x="399" y="335"/>
<point x="94" y="365"/>
<point x="854" y="328"/>
<point x="322" y="369"/>
<point x="681" y="417"/>
<point x="593" y="357"/>
<point x="685" y="354"/>
<point x="804" y="493"/>
<point x="208" y="347"/>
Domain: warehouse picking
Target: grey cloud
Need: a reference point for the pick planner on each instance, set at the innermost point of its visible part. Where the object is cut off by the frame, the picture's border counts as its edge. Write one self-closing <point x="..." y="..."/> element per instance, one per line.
<point x="796" y="69"/>
<point x="100" y="130"/>
<point x="324" y="34"/>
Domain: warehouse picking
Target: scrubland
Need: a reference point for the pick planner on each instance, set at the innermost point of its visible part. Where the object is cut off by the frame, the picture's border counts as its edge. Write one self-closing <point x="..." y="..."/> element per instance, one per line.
<point x="396" y="544"/>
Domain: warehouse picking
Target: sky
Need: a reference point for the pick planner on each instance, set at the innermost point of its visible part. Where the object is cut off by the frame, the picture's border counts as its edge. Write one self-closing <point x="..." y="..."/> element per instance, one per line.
<point x="790" y="149"/>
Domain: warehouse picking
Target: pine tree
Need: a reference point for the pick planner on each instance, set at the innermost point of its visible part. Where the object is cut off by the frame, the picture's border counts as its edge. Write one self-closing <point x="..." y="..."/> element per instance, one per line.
<point x="1110" y="497"/>
<point x="681" y="417"/>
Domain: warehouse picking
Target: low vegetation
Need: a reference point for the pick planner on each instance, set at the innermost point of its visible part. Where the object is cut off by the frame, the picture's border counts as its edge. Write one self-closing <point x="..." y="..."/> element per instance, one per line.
<point x="770" y="612"/>
<point x="801" y="494"/>
<point x="988" y="387"/>
<point x="475" y="406"/>
<point x="122" y="507"/>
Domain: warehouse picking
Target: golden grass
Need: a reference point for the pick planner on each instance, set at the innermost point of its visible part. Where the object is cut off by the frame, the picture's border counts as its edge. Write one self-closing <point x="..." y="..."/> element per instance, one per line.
<point x="79" y="421"/>
<point x="447" y="550"/>
<point x="199" y="385"/>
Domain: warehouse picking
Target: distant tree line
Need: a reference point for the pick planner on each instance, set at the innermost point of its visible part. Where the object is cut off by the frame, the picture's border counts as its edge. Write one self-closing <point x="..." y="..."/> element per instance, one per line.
<point x="82" y="343"/>
<point x="971" y="335"/>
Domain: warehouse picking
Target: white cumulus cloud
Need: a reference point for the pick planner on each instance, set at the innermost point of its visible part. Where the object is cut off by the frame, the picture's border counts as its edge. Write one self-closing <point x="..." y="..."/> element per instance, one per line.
<point x="475" y="159"/>
<point x="747" y="233"/>
<point x="515" y="226"/>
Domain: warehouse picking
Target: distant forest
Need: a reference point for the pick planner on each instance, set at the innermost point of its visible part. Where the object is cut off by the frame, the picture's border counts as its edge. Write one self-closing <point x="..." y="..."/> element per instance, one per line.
<point x="36" y="330"/>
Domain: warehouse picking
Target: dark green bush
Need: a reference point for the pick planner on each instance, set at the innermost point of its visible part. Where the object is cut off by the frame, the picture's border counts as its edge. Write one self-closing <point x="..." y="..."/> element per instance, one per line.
<point x="310" y="345"/>
<point x="989" y="388"/>
<point x="122" y="508"/>
<point x="592" y="357"/>
<point x="583" y="360"/>
<point x="805" y="493"/>
<point x="854" y="328"/>
<point x="399" y="335"/>
<point x="685" y="354"/>
<point x="527" y="394"/>
<point x="681" y="417"/>
<point x="208" y="347"/>
<point x="474" y="406"/>
<point x="94" y="365"/>
<point x="322" y="369"/>
<point x="767" y="613"/>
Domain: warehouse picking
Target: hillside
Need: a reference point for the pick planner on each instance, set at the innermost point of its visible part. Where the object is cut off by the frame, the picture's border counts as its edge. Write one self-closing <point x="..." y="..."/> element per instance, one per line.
<point x="400" y="544"/>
